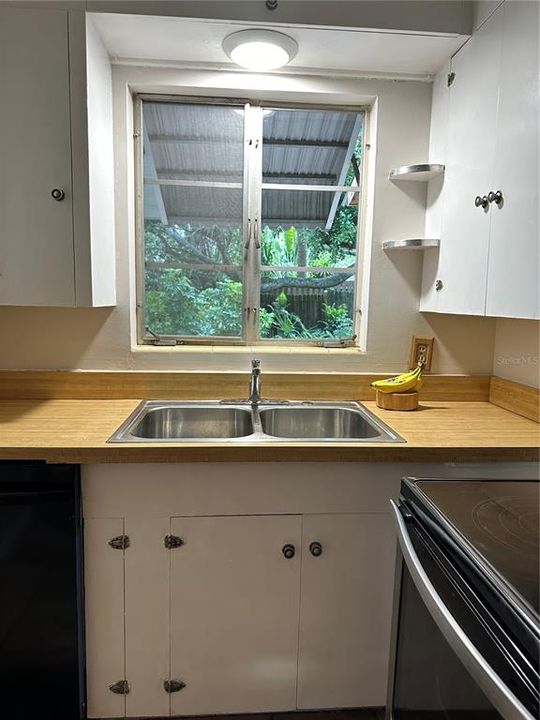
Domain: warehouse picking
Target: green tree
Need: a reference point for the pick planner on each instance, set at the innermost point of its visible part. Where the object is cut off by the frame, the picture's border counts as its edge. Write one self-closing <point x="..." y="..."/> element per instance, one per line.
<point x="183" y="297"/>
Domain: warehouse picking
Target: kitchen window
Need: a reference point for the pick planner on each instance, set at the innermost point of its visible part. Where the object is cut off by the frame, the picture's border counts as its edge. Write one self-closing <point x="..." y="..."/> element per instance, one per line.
<point x="247" y="222"/>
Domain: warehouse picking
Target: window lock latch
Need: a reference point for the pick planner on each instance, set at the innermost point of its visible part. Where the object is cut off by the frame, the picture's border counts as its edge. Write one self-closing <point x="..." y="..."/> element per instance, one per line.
<point x="158" y="340"/>
<point x="340" y="343"/>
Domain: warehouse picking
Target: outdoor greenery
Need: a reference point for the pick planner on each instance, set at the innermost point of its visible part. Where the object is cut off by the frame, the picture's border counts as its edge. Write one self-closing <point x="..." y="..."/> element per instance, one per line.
<point x="183" y="298"/>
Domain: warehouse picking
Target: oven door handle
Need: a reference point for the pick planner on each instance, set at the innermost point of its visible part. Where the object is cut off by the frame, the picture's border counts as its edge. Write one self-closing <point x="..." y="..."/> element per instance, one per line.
<point x="502" y="698"/>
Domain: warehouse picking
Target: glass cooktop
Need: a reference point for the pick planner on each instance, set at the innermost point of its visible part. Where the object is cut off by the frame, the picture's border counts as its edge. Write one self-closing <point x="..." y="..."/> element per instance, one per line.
<point x="500" y="520"/>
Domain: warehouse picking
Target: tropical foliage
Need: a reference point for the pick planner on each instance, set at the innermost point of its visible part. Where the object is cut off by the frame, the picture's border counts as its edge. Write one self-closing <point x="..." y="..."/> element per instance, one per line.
<point x="186" y="297"/>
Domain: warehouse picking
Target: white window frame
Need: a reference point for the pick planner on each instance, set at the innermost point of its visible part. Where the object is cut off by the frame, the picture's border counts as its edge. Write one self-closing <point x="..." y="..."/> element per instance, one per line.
<point x="251" y="222"/>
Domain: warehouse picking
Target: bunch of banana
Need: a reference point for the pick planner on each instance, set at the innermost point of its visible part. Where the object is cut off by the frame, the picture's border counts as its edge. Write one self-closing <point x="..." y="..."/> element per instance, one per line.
<point x="401" y="383"/>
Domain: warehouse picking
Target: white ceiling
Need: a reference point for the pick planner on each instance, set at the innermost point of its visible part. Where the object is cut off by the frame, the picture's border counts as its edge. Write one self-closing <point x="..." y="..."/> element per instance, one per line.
<point x="180" y="40"/>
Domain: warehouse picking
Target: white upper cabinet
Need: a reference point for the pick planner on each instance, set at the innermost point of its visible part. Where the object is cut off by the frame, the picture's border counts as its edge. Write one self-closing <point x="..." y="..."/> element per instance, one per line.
<point x="513" y="278"/>
<point x="56" y="161"/>
<point x="472" y="122"/>
<point x="488" y="259"/>
<point x="36" y="232"/>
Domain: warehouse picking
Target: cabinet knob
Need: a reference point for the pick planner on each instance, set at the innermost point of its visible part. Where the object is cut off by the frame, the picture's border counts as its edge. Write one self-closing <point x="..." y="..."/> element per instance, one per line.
<point x="315" y="549"/>
<point x="481" y="201"/>
<point x="496" y="197"/>
<point x="173" y="686"/>
<point x="288" y="551"/>
<point x="58" y="194"/>
<point x="438" y="285"/>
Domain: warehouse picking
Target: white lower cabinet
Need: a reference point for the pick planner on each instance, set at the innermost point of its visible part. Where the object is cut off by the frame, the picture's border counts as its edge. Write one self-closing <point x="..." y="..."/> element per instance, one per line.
<point x="147" y="616"/>
<point x="104" y="593"/>
<point x="234" y="614"/>
<point x="243" y="614"/>
<point x="236" y="590"/>
<point x="346" y="603"/>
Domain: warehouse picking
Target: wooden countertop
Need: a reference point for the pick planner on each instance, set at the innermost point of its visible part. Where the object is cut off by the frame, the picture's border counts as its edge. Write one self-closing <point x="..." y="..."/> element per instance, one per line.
<point x="76" y="431"/>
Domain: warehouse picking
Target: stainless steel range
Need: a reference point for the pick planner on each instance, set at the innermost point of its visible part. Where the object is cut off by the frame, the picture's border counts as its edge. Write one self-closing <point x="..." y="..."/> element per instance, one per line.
<point x="466" y="634"/>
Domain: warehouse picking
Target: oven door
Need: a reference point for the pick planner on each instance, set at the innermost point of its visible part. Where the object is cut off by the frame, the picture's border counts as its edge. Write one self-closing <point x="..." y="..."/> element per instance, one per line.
<point x="440" y="640"/>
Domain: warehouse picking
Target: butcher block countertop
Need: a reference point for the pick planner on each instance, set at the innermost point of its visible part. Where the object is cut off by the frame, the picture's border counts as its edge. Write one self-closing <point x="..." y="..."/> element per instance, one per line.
<point x="76" y="431"/>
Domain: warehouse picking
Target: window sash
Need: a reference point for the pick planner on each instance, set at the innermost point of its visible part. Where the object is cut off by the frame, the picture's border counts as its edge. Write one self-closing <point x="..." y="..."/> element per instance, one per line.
<point x="252" y="186"/>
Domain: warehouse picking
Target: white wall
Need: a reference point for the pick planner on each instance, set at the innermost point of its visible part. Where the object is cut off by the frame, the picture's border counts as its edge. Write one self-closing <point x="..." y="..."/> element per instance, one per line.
<point x="517" y="344"/>
<point x="102" y="338"/>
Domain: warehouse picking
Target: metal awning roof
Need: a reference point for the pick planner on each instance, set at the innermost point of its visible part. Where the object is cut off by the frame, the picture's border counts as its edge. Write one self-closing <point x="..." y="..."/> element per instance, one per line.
<point x="198" y="143"/>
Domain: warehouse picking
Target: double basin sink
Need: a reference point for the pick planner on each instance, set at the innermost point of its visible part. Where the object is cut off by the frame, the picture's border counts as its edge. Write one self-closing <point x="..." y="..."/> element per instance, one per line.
<point x="241" y="422"/>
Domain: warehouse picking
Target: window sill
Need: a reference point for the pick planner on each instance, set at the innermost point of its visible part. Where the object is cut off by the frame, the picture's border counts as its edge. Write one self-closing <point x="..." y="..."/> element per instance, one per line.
<point x="260" y="350"/>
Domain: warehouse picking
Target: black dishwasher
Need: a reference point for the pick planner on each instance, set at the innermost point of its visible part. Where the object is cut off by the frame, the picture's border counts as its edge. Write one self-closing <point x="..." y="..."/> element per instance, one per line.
<point x="41" y="592"/>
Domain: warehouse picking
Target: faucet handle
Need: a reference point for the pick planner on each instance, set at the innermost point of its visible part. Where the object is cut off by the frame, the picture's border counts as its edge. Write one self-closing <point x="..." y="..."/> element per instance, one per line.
<point x="255" y="364"/>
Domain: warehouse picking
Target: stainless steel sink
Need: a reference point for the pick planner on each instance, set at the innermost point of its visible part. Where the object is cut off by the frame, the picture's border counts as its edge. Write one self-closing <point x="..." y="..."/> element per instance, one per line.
<point x="318" y="422"/>
<point x="241" y="422"/>
<point x="188" y="423"/>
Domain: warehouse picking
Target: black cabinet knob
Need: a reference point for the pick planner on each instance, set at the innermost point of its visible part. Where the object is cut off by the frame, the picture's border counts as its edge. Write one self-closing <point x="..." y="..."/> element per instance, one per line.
<point x="481" y="201"/>
<point x="173" y="686"/>
<point x="315" y="549"/>
<point x="439" y="285"/>
<point x="288" y="551"/>
<point x="58" y="194"/>
<point x="496" y="197"/>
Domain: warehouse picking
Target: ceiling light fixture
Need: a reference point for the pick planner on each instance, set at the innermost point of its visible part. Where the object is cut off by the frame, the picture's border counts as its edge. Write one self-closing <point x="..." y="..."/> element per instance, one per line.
<point x="260" y="49"/>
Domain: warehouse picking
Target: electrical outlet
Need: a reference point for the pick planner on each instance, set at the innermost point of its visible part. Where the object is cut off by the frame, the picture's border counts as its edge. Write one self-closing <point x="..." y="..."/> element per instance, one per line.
<point x="421" y="351"/>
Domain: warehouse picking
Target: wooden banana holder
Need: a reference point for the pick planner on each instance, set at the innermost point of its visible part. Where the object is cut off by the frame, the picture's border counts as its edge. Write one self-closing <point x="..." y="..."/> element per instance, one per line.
<point x="397" y="401"/>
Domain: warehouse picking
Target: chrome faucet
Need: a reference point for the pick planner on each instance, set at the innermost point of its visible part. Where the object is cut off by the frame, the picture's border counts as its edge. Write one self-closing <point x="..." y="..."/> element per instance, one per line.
<point x="255" y="383"/>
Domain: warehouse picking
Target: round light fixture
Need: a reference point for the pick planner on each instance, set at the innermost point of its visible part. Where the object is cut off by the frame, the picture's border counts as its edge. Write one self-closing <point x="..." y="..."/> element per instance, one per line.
<point x="260" y="49"/>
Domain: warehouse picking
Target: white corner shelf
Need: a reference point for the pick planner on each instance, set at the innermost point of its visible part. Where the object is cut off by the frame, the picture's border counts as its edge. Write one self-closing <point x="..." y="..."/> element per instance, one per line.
<point x="417" y="173"/>
<point x="411" y="244"/>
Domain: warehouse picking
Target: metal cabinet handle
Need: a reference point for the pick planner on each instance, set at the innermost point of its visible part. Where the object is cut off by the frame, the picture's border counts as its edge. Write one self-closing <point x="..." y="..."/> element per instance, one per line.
<point x="256" y="234"/>
<point x="496" y="197"/>
<point x="249" y="234"/>
<point x="120" y="688"/>
<point x="439" y="285"/>
<point x="481" y="201"/>
<point x="315" y="549"/>
<point x="58" y="194"/>
<point x="500" y="695"/>
<point x="288" y="551"/>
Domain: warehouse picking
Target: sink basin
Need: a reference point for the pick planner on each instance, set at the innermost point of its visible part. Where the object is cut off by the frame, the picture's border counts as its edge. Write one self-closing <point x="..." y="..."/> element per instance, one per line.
<point x="236" y="421"/>
<point x="185" y="422"/>
<point x="317" y="422"/>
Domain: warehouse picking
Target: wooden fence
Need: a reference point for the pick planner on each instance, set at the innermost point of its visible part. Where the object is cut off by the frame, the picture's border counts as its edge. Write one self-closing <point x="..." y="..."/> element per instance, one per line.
<point x="308" y="303"/>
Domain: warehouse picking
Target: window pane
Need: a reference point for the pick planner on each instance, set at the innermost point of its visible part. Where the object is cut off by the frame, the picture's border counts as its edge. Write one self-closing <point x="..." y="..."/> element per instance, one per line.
<point x="198" y="303"/>
<point x="194" y="262"/>
<point x="311" y="147"/>
<point x="201" y="205"/>
<point x="308" y="259"/>
<point x="310" y="306"/>
<point x="193" y="142"/>
<point x="308" y="228"/>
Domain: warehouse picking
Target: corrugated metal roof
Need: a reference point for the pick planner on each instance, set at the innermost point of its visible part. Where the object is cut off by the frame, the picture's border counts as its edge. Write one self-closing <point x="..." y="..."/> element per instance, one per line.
<point x="205" y="142"/>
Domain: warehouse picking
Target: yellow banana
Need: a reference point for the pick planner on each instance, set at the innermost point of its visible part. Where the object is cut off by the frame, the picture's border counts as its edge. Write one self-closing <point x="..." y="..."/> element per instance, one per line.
<point x="398" y="378"/>
<point x="401" y="383"/>
<point x="404" y="377"/>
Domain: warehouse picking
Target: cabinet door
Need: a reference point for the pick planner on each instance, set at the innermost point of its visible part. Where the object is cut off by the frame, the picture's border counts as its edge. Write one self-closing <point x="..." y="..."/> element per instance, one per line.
<point x="438" y="138"/>
<point x="36" y="231"/>
<point x="345" y="610"/>
<point x="234" y="614"/>
<point x="513" y="281"/>
<point x="469" y="170"/>
<point x="104" y="596"/>
<point x="147" y="616"/>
